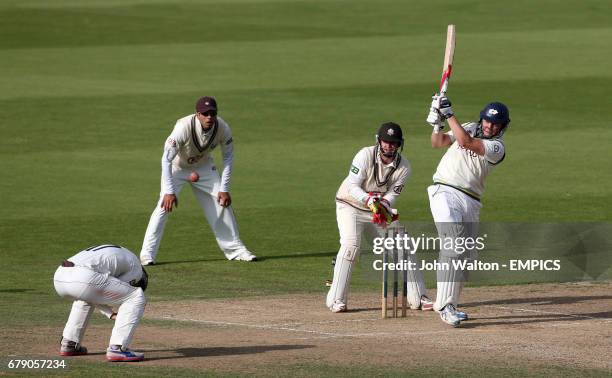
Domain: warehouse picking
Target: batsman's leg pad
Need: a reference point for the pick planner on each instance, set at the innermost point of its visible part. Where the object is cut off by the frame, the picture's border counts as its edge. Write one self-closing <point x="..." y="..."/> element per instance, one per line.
<point x="342" y="274"/>
<point x="450" y="279"/>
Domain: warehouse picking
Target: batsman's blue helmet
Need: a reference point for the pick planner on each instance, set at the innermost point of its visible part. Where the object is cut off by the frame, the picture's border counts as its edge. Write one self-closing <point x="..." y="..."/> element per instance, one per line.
<point x="496" y="112"/>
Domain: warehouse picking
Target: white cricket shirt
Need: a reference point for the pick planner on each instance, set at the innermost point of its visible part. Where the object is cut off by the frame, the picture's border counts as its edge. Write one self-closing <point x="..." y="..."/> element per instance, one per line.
<point x="188" y="147"/>
<point x="369" y="174"/>
<point x="466" y="170"/>
<point x="113" y="260"/>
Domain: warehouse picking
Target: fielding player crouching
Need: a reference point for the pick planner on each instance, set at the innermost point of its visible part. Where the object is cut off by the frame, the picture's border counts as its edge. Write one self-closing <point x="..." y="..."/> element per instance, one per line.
<point x="374" y="182"/>
<point x="474" y="150"/>
<point x="103" y="276"/>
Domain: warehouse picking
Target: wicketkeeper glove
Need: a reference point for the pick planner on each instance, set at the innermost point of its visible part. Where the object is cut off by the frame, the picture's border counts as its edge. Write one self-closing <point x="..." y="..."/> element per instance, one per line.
<point x="383" y="214"/>
<point x="372" y="198"/>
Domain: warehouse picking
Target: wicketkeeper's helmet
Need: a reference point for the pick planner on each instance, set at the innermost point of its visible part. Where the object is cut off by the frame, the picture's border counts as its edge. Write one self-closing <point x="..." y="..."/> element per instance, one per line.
<point x="390" y="132"/>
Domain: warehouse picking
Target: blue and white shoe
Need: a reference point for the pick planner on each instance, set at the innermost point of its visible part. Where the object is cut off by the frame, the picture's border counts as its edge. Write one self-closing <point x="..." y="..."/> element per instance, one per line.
<point x="449" y="315"/>
<point x="116" y="353"/>
<point x="461" y="315"/>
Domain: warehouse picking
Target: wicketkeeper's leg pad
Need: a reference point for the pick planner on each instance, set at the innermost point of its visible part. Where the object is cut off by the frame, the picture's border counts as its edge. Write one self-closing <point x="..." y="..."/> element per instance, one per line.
<point x="342" y="274"/>
<point x="415" y="282"/>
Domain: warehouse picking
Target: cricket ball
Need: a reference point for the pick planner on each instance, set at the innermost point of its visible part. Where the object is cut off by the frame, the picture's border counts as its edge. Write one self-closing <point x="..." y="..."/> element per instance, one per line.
<point x="194" y="177"/>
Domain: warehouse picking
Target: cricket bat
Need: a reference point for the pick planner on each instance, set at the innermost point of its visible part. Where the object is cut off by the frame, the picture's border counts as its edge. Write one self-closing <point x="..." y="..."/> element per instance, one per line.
<point x="447" y="69"/>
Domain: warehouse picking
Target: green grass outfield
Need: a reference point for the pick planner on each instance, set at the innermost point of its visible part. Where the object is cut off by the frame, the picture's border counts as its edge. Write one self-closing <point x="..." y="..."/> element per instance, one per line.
<point x="89" y="90"/>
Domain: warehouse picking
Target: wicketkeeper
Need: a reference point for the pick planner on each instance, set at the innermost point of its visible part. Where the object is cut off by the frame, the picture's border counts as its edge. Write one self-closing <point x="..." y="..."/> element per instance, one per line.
<point x="364" y="203"/>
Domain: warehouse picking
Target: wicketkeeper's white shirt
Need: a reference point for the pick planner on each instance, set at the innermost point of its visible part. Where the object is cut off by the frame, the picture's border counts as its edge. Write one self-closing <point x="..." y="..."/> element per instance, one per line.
<point x="369" y="174"/>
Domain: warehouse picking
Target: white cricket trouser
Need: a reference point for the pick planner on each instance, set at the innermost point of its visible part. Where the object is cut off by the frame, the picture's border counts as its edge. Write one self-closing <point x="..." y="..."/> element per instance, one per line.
<point x="221" y="219"/>
<point x="352" y="224"/>
<point x="456" y="215"/>
<point x="88" y="289"/>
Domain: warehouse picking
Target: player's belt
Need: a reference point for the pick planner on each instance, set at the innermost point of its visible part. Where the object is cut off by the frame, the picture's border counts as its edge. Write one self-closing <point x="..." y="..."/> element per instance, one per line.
<point x="459" y="189"/>
<point x="67" y="264"/>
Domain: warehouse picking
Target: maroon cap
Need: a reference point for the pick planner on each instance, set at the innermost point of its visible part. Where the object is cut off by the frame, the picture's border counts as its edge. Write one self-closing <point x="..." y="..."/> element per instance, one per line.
<point x="205" y="104"/>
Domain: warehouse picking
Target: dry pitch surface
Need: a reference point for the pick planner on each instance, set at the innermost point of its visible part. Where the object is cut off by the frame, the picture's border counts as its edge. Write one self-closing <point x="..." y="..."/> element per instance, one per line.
<point x="536" y="325"/>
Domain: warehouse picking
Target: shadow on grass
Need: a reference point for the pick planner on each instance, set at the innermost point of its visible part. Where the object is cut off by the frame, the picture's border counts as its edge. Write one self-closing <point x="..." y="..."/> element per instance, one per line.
<point x="15" y="290"/>
<point x="363" y="309"/>
<point x="298" y="255"/>
<point x="184" y="262"/>
<point x="222" y="351"/>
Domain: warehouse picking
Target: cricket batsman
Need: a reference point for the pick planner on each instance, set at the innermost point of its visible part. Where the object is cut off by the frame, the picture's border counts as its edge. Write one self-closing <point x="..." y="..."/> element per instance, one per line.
<point x="474" y="150"/>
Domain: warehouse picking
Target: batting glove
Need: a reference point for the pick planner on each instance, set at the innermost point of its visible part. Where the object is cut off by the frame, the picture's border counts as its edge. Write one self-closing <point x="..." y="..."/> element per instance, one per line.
<point x="434" y="119"/>
<point x="443" y="105"/>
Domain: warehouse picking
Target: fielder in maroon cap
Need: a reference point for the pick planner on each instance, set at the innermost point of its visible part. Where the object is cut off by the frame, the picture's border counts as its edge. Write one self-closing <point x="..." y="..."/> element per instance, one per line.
<point x="187" y="160"/>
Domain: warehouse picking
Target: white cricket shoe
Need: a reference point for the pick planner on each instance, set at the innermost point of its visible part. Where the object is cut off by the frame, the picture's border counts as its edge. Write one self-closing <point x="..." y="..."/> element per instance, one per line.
<point x="146" y="261"/>
<point x="338" y="307"/>
<point x="246" y="255"/>
<point x="449" y="315"/>
<point x="461" y="315"/>
<point x="426" y="303"/>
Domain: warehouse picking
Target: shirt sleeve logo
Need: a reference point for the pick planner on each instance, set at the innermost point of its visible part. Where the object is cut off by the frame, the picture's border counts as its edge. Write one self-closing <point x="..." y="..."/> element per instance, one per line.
<point x="171" y="142"/>
<point x="354" y="169"/>
<point x="398" y="189"/>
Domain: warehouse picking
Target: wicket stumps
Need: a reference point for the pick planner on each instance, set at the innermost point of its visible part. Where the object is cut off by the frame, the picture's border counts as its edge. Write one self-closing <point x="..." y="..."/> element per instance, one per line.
<point x="396" y="256"/>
